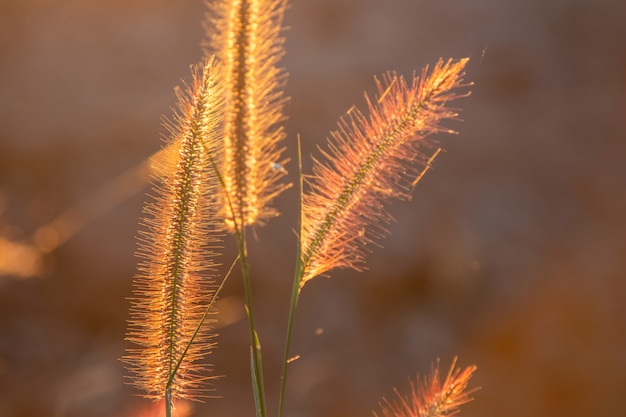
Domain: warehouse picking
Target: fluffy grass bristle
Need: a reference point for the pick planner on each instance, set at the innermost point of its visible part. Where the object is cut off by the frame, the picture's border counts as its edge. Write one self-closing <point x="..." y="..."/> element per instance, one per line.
<point x="371" y="159"/>
<point x="245" y="36"/>
<point x="175" y="282"/>
<point x="431" y="397"/>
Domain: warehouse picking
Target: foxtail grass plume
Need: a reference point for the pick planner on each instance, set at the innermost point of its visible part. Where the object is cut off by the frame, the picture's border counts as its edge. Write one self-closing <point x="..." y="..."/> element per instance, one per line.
<point x="370" y="160"/>
<point x="431" y="397"/>
<point x="245" y="36"/>
<point x="174" y="284"/>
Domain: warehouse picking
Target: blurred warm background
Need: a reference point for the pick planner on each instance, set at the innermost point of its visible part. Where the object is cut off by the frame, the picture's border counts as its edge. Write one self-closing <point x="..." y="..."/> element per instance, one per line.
<point x="512" y="254"/>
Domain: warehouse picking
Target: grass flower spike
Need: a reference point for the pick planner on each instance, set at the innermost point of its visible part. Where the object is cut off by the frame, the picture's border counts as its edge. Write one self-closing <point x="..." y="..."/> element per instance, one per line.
<point x="245" y="36"/>
<point x="173" y="287"/>
<point x="371" y="159"/>
<point x="430" y="397"/>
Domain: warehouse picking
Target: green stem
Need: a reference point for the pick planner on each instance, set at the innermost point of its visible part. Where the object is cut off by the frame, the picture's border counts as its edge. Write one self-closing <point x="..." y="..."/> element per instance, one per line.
<point x="168" y="401"/>
<point x="257" y="368"/>
<point x="292" y="309"/>
<point x="295" y="292"/>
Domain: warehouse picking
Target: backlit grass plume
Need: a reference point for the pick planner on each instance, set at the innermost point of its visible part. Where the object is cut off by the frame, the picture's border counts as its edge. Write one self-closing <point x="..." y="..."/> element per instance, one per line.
<point x="174" y="286"/>
<point x="430" y="397"/>
<point x="371" y="159"/>
<point x="245" y="36"/>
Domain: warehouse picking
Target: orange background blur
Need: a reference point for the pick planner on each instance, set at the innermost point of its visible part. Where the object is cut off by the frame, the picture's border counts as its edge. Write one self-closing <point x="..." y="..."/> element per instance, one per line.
<point x="512" y="254"/>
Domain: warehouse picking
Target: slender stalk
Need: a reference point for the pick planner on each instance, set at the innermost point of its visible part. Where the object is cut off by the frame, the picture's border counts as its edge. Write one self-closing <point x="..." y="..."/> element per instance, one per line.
<point x="168" y="401"/>
<point x="255" y="346"/>
<point x="295" y="292"/>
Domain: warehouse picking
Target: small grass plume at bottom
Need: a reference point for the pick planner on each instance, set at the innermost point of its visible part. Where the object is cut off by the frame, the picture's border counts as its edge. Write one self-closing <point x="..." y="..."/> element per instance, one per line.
<point x="432" y="397"/>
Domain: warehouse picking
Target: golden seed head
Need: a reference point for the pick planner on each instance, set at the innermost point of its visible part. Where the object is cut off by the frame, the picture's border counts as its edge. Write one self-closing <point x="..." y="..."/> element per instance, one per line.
<point x="369" y="160"/>
<point x="430" y="397"/>
<point x="174" y="285"/>
<point x="245" y="36"/>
